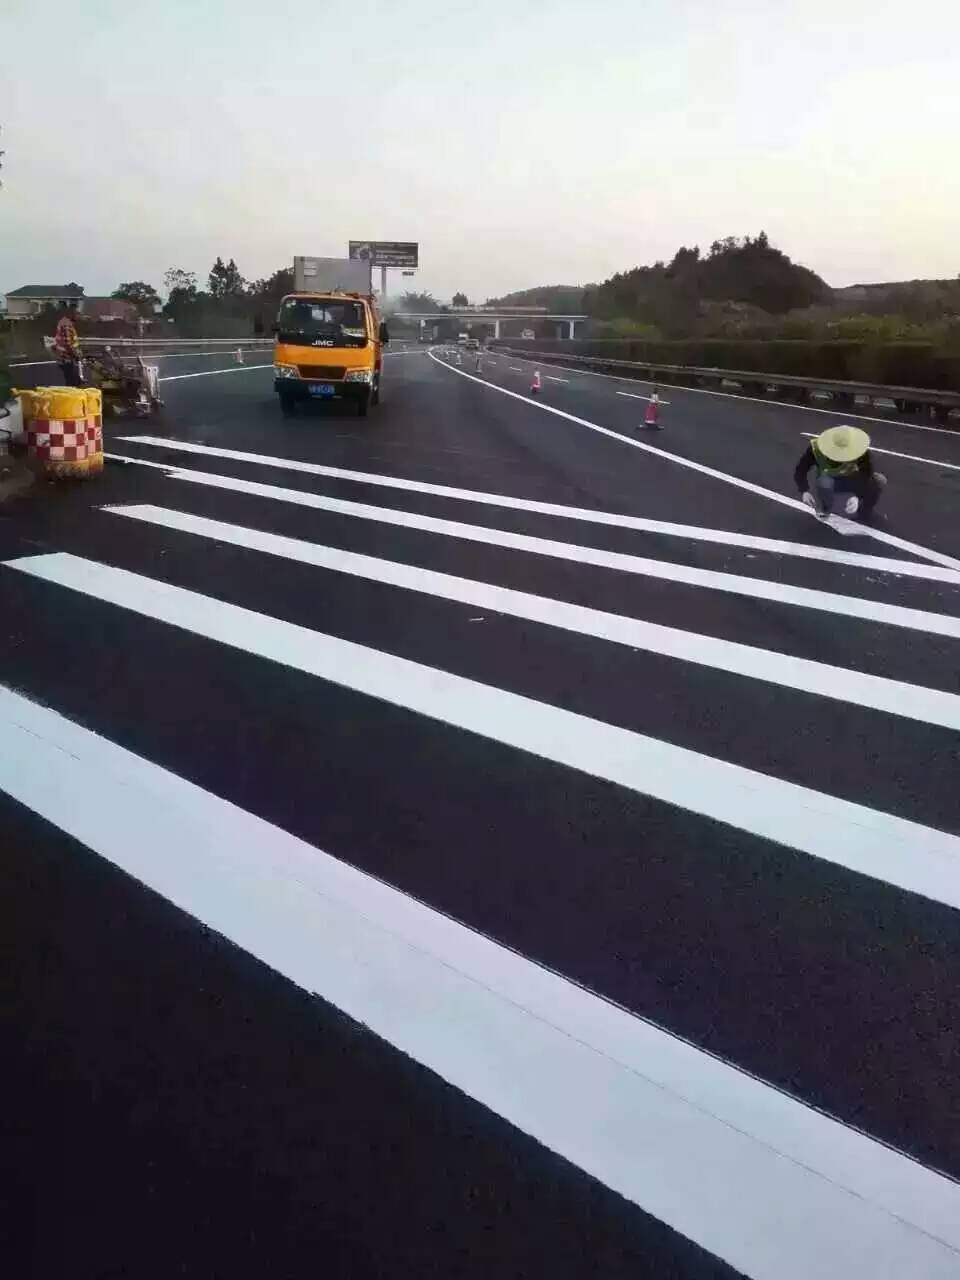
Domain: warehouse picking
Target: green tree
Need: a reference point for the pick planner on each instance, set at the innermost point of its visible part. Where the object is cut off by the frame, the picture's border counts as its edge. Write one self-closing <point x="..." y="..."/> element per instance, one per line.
<point x="420" y="302"/>
<point x="181" y="289"/>
<point x="144" y="296"/>
<point x="460" y="300"/>
<point x="268" y="292"/>
<point x="225" y="280"/>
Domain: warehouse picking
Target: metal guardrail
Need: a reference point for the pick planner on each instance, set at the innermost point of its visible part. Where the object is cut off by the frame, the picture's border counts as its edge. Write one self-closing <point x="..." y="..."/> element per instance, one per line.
<point x="906" y="399"/>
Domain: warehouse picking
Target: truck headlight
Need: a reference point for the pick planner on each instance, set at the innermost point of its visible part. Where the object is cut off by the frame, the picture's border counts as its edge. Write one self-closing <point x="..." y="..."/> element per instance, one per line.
<point x="358" y="375"/>
<point x="285" y="370"/>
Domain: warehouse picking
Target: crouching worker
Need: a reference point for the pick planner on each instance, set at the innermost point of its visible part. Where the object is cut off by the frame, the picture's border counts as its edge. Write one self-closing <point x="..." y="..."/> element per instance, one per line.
<point x="843" y="480"/>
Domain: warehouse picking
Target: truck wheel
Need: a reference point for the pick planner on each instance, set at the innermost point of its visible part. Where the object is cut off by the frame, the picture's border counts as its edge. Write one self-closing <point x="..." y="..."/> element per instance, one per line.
<point x="375" y="397"/>
<point x="287" y="405"/>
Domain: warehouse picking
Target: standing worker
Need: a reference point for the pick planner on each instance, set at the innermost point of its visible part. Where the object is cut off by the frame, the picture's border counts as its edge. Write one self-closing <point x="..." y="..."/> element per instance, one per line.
<point x="843" y="474"/>
<point x="66" y="345"/>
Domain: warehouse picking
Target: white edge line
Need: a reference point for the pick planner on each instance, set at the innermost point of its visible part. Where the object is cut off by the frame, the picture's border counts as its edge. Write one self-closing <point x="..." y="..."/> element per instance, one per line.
<point x="779" y="1190"/>
<point x="732" y="395"/>
<point x="892" y="453"/>
<point x="842" y="684"/>
<point x="913" y="548"/>
<point x="773" y="546"/>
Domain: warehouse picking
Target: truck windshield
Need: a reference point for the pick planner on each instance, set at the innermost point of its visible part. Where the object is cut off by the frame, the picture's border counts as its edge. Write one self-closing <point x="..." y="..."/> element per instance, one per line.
<point x="322" y="320"/>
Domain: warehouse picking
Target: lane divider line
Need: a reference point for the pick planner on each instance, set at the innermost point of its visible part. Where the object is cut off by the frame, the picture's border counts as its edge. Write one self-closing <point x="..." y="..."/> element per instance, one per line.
<point x="633" y="396"/>
<point x="747" y="486"/>
<point x="892" y="453"/>
<point x="775" y="546"/>
<point x="842" y="684"/>
<point x="878" y="845"/>
<point x="777" y="1189"/>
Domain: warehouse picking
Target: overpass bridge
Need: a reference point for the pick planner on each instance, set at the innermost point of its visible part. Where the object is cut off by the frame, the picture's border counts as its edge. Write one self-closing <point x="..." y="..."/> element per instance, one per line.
<point x="472" y="316"/>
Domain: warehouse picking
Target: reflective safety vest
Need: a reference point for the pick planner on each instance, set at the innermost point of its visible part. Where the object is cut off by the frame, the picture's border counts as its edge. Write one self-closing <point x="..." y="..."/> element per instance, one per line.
<point x="831" y="468"/>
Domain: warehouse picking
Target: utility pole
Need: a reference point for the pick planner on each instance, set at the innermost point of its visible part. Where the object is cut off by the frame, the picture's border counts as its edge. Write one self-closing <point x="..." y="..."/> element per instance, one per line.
<point x="383" y="284"/>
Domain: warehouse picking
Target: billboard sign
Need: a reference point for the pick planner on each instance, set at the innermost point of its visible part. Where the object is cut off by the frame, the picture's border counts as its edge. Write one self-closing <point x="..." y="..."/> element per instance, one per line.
<point x="386" y="253"/>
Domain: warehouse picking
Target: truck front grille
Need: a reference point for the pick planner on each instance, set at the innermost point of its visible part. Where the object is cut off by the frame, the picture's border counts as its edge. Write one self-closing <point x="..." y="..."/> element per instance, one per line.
<point x="322" y="372"/>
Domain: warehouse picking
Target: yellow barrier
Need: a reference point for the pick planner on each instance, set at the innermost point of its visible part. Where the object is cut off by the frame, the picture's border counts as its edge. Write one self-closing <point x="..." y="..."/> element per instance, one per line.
<point x="63" y="430"/>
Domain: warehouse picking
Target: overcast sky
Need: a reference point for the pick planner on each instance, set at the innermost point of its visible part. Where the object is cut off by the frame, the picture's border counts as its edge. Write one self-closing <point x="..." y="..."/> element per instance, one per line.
<point x="537" y="142"/>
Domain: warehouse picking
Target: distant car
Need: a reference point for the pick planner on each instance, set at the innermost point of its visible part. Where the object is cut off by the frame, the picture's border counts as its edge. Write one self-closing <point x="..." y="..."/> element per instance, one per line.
<point x="472" y="344"/>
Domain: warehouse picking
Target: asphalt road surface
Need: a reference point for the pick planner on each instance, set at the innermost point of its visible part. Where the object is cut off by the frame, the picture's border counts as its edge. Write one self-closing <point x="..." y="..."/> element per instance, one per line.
<point x="485" y="839"/>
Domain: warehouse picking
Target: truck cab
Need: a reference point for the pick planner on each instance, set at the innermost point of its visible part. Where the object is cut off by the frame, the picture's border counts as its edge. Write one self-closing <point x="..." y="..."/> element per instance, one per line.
<point x="329" y="346"/>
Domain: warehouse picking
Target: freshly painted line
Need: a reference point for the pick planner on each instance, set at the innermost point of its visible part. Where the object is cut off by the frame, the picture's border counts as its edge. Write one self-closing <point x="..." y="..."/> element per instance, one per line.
<point x="881" y="536"/>
<point x="892" y="453"/>
<point x="929" y="706"/>
<point x="732" y="395"/>
<point x="514" y="370"/>
<point x="549" y="378"/>
<point x="213" y="373"/>
<point x="879" y="845"/>
<point x="32" y="364"/>
<point x="631" y="395"/>
<point x="879" y="564"/>
<point x="782" y="1192"/>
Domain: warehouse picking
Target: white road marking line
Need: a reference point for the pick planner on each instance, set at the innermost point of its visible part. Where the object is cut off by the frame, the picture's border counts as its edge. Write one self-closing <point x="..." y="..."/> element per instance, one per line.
<point x="779" y="404"/>
<point x="213" y="373"/>
<point x="879" y="845"/>
<point x="550" y="378"/>
<point x="166" y="355"/>
<point x="912" y="547"/>
<point x="633" y="396"/>
<point x="514" y="370"/>
<point x="782" y="1192"/>
<point x="640" y="523"/>
<point x="892" y="453"/>
<point x="521" y="542"/>
<point x="895" y="697"/>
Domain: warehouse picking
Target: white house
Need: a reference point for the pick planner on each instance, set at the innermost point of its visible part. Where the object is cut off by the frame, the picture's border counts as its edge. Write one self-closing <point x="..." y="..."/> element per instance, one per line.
<point x="33" y="299"/>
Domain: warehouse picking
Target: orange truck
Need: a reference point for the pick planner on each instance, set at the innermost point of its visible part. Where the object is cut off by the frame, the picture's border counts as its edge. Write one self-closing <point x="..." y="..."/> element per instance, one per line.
<point x="329" y="336"/>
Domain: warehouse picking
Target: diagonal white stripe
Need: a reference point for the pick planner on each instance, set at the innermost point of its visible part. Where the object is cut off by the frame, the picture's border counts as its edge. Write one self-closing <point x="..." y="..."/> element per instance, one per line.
<point x="930" y="706"/>
<point x="778" y="1190"/>
<point x="614" y="519"/>
<point x="753" y="588"/>
<point x="902" y="853"/>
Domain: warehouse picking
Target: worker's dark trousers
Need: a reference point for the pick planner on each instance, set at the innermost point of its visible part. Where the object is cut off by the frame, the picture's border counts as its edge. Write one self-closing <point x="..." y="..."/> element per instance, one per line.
<point x="831" y="492"/>
<point x="71" y="373"/>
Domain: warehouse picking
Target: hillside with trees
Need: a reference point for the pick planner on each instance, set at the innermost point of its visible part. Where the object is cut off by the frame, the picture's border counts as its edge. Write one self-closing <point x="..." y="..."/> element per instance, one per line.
<point x="562" y="299"/>
<point x="737" y="280"/>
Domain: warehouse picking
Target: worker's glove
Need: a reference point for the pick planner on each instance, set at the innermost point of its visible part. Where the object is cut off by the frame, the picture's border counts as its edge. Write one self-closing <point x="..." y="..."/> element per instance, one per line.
<point x="808" y="499"/>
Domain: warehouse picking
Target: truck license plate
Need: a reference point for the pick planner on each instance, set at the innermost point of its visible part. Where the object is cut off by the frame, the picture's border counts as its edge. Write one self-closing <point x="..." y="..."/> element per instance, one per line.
<point x="321" y="389"/>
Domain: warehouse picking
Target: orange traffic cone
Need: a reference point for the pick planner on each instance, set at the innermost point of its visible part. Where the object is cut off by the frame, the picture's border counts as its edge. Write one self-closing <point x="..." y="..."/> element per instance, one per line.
<point x="535" y="384"/>
<point x="239" y="355"/>
<point x="652" y="416"/>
